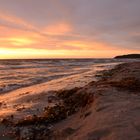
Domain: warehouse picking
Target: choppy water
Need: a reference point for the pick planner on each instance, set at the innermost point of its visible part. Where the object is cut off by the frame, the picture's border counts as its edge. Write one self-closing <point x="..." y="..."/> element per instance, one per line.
<point x="21" y="73"/>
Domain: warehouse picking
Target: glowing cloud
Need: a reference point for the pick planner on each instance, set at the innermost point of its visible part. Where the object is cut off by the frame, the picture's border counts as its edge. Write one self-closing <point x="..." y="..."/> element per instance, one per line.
<point x="16" y="42"/>
<point x="20" y="41"/>
<point x="58" y="28"/>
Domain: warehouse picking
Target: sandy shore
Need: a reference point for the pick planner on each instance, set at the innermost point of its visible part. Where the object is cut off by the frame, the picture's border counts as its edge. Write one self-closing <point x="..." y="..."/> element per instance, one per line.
<point x="108" y="109"/>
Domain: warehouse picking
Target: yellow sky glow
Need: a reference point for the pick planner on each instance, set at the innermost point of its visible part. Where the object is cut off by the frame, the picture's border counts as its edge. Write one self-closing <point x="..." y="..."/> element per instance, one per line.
<point x="20" y="41"/>
<point x="23" y="53"/>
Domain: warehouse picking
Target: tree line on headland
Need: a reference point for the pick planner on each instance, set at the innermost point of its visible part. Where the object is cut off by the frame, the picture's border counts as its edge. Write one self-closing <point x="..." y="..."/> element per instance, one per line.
<point x="131" y="56"/>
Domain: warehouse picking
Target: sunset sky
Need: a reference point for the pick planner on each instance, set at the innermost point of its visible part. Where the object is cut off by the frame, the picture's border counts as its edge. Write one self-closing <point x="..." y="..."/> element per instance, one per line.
<point x="69" y="28"/>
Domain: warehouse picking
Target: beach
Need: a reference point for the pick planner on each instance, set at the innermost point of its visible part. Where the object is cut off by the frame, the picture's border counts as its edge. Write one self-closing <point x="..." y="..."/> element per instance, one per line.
<point x="69" y="69"/>
<point x="103" y="107"/>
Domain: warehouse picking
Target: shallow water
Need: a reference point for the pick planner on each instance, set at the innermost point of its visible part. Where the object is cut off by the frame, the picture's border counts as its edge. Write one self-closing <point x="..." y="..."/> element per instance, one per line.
<point x="16" y="74"/>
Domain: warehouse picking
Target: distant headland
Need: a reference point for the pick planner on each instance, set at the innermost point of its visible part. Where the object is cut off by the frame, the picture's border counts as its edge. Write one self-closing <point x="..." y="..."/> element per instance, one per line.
<point x="131" y="56"/>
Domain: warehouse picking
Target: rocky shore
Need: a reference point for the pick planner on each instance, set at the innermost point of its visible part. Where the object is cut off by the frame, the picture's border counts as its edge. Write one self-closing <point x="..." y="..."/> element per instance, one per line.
<point x="108" y="109"/>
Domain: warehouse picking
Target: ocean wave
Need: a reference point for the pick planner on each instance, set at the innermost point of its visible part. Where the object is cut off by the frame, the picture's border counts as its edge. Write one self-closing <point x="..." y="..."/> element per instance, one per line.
<point x="16" y="74"/>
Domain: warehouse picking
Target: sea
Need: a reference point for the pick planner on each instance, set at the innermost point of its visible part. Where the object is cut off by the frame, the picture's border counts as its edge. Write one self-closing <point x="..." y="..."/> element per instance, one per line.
<point x="20" y="73"/>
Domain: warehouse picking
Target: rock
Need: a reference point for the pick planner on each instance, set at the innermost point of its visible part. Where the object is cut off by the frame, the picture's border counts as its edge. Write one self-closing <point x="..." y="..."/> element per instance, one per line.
<point x="52" y="99"/>
<point x="129" y="83"/>
<point x="1" y="104"/>
<point x="5" y="121"/>
<point x="26" y="134"/>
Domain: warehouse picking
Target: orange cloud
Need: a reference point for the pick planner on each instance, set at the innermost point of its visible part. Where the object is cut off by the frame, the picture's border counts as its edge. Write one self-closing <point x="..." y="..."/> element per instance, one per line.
<point x="10" y="37"/>
<point x="58" y="28"/>
<point x="20" y="41"/>
<point x="87" y="45"/>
